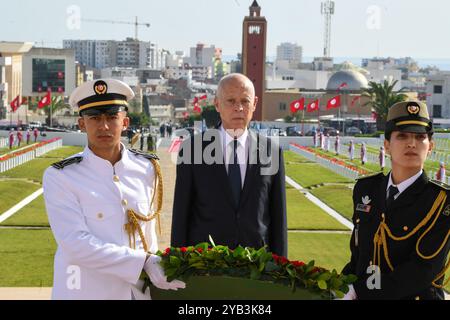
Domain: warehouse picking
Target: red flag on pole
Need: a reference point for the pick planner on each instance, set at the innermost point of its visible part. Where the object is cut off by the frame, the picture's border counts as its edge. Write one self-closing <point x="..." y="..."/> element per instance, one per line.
<point x="354" y="100"/>
<point x="342" y="85"/>
<point x="197" y="108"/>
<point x="374" y="115"/>
<point x="24" y="101"/>
<point x="334" y="102"/>
<point x="297" y="105"/>
<point x="45" y="101"/>
<point x="313" y="106"/>
<point x="15" y="104"/>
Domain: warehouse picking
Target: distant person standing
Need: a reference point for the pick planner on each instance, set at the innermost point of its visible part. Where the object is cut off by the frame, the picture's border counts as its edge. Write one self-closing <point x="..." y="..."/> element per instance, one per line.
<point x="382" y="158"/>
<point x="28" y="135"/>
<point x="11" y="138"/>
<point x="363" y="153"/>
<point x="19" y="136"/>
<point x="322" y="140"/>
<point x="162" y="130"/>
<point x="315" y="138"/>
<point x="337" y="144"/>
<point x="351" y="150"/>
<point x="440" y="176"/>
<point x="35" y="134"/>
<point x="327" y="144"/>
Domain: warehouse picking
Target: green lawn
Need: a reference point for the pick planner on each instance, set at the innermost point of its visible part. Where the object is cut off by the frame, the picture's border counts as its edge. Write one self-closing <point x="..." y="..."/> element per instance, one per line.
<point x="26" y="258"/>
<point x="34" y="169"/>
<point x="303" y="214"/>
<point x="15" y="147"/>
<point x="292" y="157"/>
<point x="310" y="174"/>
<point x="11" y="192"/>
<point x="331" y="251"/>
<point x="33" y="214"/>
<point x="338" y="197"/>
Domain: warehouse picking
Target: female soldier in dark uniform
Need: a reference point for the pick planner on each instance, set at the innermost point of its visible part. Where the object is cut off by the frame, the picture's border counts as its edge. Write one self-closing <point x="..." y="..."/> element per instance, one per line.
<point x="400" y="242"/>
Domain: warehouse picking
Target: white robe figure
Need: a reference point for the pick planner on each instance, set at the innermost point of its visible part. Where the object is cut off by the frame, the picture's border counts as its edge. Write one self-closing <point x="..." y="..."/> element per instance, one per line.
<point x="327" y="144"/>
<point x="440" y="176"/>
<point x="363" y="153"/>
<point x="351" y="150"/>
<point x="382" y="158"/>
<point x="337" y="144"/>
<point x="322" y="140"/>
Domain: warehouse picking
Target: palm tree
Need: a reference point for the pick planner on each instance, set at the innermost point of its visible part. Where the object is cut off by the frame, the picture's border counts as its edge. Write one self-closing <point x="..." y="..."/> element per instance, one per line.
<point x="382" y="96"/>
<point x="57" y="103"/>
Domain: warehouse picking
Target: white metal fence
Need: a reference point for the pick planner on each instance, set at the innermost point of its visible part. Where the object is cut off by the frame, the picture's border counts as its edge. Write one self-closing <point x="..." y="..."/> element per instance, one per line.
<point x="3" y="142"/>
<point x="30" y="155"/>
<point x="341" y="170"/>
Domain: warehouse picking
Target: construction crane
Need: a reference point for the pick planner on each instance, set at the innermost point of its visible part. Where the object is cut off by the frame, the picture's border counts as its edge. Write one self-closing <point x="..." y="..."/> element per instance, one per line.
<point x="136" y="24"/>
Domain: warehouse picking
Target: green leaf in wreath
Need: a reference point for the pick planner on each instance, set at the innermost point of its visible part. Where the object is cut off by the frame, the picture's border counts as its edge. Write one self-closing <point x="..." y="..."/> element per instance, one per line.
<point x="322" y="285"/>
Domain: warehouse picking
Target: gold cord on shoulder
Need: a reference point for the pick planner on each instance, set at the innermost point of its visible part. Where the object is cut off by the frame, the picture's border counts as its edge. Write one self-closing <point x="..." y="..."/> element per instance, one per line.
<point x="380" y="239"/>
<point x="133" y="224"/>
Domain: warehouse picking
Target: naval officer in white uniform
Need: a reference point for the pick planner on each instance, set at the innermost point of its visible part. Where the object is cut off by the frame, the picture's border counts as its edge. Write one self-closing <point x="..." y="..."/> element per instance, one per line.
<point x="102" y="205"/>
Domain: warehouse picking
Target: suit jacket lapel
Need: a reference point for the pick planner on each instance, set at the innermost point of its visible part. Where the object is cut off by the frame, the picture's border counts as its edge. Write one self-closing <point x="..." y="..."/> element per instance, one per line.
<point x="252" y="168"/>
<point x="220" y="173"/>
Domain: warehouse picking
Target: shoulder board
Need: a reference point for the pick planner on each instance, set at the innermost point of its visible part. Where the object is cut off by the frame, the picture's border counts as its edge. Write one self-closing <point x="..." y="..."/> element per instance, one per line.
<point x="440" y="184"/>
<point x="144" y="154"/>
<point x="373" y="175"/>
<point x="66" y="162"/>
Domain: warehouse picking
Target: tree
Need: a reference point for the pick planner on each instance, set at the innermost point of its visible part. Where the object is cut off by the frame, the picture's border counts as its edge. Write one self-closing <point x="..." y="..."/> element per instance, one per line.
<point x="56" y="104"/>
<point x="381" y="97"/>
<point x="210" y="115"/>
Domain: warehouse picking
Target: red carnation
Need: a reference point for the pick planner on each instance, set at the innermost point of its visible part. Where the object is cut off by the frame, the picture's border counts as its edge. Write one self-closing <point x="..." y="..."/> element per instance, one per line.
<point x="183" y="249"/>
<point x="199" y="250"/>
<point x="298" y="264"/>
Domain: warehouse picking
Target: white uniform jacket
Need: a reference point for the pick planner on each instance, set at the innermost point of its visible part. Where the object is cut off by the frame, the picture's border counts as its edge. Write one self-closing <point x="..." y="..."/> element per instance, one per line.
<point x="86" y="203"/>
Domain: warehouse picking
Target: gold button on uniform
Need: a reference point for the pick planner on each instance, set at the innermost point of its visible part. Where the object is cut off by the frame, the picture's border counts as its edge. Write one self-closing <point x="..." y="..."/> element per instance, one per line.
<point x="357" y="220"/>
<point x="124" y="202"/>
<point x="417" y="298"/>
<point x="382" y="215"/>
<point x="116" y="178"/>
<point x="405" y="228"/>
<point x="100" y="215"/>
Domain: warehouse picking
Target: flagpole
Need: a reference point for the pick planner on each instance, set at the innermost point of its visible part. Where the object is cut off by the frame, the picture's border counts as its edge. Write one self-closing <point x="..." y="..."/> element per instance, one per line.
<point x="303" y="121"/>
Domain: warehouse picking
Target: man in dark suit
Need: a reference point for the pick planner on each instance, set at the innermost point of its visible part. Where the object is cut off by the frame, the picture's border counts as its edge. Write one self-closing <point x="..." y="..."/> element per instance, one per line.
<point x="230" y="181"/>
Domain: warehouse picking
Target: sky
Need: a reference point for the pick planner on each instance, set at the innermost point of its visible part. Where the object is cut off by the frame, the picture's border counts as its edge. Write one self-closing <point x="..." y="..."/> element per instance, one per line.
<point x="360" y="28"/>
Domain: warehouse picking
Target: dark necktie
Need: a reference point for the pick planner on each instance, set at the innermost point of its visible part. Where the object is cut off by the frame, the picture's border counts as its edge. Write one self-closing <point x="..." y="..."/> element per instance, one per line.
<point x="392" y="191"/>
<point x="234" y="174"/>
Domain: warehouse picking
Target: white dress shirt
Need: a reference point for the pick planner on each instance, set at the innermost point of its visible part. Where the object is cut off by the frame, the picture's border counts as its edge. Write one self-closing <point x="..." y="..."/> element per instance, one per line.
<point x="86" y="205"/>
<point x="403" y="185"/>
<point x="242" y="150"/>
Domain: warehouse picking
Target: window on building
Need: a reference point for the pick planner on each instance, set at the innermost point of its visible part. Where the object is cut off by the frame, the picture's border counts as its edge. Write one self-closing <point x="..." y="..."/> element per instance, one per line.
<point x="437" y="111"/>
<point x="437" y="89"/>
<point x="48" y="74"/>
<point x="282" y="106"/>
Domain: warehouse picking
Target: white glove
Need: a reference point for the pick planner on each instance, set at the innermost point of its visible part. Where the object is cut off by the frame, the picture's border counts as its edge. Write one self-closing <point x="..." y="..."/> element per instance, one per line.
<point x="350" y="295"/>
<point x="157" y="276"/>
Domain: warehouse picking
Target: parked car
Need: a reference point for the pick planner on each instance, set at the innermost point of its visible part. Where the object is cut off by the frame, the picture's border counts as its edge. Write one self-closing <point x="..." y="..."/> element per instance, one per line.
<point x="293" y="131"/>
<point x="331" y="131"/>
<point x="351" y="131"/>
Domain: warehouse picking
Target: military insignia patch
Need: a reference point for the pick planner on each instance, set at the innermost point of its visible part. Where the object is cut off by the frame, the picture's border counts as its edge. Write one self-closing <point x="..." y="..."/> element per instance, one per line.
<point x="363" y="207"/>
<point x="446" y="211"/>
<point x="413" y="108"/>
<point x="100" y="87"/>
<point x="66" y="162"/>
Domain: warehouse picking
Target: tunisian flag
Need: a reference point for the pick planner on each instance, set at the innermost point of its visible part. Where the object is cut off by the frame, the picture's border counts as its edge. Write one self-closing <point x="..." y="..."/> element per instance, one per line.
<point x="297" y="105"/>
<point x="15" y="104"/>
<point x="313" y="106"/>
<point x="45" y="101"/>
<point x="334" y="102"/>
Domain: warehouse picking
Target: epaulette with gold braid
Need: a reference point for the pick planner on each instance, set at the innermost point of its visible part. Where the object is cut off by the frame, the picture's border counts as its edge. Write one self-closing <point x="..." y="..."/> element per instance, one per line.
<point x="443" y="185"/>
<point x="144" y="154"/>
<point x="66" y="162"/>
<point x="370" y="175"/>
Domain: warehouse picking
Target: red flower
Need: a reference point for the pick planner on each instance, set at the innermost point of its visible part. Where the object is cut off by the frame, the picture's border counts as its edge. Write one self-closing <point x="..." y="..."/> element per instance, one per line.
<point x="183" y="249"/>
<point x="283" y="260"/>
<point x="298" y="264"/>
<point x="167" y="251"/>
<point x="199" y="250"/>
<point x="275" y="257"/>
<point x="316" y="269"/>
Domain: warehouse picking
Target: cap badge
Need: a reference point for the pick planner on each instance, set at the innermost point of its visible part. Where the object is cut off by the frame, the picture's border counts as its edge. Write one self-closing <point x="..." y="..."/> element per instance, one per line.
<point x="413" y="108"/>
<point x="100" y="87"/>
